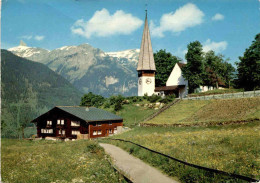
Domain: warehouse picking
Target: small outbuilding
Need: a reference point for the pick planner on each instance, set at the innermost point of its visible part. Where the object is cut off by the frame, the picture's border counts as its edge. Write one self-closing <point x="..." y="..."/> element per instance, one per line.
<point x="74" y="122"/>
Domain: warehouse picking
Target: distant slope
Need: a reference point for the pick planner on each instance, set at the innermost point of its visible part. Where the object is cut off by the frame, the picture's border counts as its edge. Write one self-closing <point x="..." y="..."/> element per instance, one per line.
<point x="30" y="88"/>
<point x="209" y="111"/>
<point x="89" y="68"/>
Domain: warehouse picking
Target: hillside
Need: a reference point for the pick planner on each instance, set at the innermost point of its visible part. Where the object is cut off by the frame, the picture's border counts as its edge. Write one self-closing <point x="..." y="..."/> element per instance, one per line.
<point x="28" y="89"/>
<point x="220" y="134"/>
<point x="89" y="69"/>
<point x="196" y="112"/>
<point x="231" y="148"/>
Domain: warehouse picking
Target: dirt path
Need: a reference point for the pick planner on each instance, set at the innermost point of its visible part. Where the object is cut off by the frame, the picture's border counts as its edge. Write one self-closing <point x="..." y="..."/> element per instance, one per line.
<point x="134" y="168"/>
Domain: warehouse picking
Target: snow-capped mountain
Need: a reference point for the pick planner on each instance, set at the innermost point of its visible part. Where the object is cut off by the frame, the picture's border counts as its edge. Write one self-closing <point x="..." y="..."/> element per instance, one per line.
<point x="131" y="55"/>
<point x="29" y="52"/>
<point x="89" y="68"/>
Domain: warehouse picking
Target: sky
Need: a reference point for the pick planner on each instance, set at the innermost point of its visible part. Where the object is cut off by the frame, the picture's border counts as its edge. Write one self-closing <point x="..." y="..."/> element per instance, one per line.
<point x="226" y="26"/>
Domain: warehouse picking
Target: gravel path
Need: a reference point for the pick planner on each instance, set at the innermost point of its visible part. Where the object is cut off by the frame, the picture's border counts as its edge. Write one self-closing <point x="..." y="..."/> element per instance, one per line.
<point x="135" y="169"/>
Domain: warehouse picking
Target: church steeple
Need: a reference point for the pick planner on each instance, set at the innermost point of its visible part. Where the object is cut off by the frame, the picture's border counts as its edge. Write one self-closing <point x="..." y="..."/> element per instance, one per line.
<point x="146" y="66"/>
<point x="146" y="60"/>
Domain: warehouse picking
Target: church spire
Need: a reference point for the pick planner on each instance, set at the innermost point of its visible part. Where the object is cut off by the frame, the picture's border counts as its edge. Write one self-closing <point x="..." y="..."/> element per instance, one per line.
<point x="146" y="60"/>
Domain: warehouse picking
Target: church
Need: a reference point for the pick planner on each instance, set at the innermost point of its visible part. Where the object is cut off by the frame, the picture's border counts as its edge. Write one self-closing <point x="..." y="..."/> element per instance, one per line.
<point x="176" y="83"/>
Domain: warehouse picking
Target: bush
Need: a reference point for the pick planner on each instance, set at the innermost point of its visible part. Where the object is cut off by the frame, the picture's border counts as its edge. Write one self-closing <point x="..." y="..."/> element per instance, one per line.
<point x="91" y="99"/>
<point x="145" y="96"/>
<point x="167" y="99"/>
<point x="106" y="104"/>
<point x="154" y="98"/>
<point x="116" y="99"/>
<point x="118" y="106"/>
<point x="93" y="148"/>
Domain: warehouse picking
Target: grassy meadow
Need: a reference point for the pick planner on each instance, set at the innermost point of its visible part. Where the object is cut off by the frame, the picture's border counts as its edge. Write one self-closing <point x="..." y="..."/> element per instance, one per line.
<point x="209" y="111"/>
<point x="133" y="114"/>
<point x="216" y="91"/>
<point x="50" y="161"/>
<point x="231" y="148"/>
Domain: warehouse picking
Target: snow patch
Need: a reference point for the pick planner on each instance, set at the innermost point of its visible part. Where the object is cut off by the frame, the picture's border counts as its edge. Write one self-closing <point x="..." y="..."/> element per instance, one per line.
<point x="131" y="55"/>
<point x="19" y="48"/>
<point x="66" y="47"/>
<point x="110" y="80"/>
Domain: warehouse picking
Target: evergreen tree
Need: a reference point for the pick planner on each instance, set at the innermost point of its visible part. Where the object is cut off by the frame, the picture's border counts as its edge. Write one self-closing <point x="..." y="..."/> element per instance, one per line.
<point x="249" y="66"/>
<point x="164" y="62"/>
<point x="194" y="69"/>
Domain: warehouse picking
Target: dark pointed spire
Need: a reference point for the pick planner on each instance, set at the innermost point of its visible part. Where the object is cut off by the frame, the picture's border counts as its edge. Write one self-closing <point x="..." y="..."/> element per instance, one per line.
<point x="146" y="60"/>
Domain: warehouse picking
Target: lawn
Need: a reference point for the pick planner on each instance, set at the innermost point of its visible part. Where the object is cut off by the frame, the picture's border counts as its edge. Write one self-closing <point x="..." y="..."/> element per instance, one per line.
<point x="216" y="91"/>
<point x="209" y="111"/>
<point x="133" y="114"/>
<point x="232" y="148"/>
<point x="48" y="161"/>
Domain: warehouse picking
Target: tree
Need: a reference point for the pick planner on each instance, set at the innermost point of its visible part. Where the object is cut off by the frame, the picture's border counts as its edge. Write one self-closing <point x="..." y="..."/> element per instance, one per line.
<point x="91" y="99"/>
<point x="249" y="66"/>
<point x="164" y="62"/>
<point x="217" y="68"/>
<point x="194" y="69"/>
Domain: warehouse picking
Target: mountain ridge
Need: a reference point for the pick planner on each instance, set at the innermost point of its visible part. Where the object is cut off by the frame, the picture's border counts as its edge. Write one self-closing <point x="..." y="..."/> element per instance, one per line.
<point x="89" y="68"/>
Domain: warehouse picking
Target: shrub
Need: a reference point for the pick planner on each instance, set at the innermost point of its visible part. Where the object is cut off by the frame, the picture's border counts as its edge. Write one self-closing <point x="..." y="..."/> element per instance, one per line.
<point x="91" y="99"/>
<point x="112" y="100"/>
<point x="93" y="148"/>
<point x="106" y="104"/>
<point x="154" y="98"/>
<point x="167" y="99"/>
<point x="145" y="96"/>
<point x="118" y="106"/>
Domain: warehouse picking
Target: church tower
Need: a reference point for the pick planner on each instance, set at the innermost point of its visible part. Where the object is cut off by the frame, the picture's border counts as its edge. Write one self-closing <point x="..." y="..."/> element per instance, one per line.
<point x="146" y="66"/>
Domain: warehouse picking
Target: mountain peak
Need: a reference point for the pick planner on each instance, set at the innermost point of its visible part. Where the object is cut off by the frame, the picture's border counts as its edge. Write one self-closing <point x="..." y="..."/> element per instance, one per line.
<point x="22" y="43"/>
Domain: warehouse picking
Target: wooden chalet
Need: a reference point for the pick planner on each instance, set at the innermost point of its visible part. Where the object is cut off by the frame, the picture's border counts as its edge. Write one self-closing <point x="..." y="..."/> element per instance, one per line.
<point x="74" y="122"/>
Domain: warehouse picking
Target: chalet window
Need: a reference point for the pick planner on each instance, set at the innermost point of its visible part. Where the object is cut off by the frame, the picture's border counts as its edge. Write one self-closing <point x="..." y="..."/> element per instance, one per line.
<point x="115" y="130"/>
<point x="110" y="123"/>
<point x="60" y="122"/>
<point x="49" y="122"/>
<point x="99" y="132"/>
<point x="94" y="132"/>
<point x="61" y="132"/>
<point x="75" y="123"/>
<point x="75" y="132"/>
<point x="99" y="124"/>
<point x="47" y="131"/>
<point x="110" y="131"/>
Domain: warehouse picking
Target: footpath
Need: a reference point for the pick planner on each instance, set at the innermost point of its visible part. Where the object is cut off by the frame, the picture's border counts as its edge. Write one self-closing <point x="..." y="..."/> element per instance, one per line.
<point x="133" y="168"/>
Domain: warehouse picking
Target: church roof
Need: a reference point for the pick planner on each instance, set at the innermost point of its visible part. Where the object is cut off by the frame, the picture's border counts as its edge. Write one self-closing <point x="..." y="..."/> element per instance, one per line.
<point x="146" y="60"/>
<point x="181" y="64"/>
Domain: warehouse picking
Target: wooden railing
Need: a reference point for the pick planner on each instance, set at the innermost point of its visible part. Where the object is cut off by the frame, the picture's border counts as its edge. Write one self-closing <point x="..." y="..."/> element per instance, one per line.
<point x="162" y="109"/>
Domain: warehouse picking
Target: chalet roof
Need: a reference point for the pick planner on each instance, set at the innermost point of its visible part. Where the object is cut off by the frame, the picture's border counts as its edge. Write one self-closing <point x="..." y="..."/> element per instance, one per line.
<point x="87" y="114"/>
<point x="146" y="60"/>
<point x="90" y="113"/>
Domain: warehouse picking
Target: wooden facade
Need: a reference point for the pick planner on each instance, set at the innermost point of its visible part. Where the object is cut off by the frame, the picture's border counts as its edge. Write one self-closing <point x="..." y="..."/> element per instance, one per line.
<point x="62" y="124"/>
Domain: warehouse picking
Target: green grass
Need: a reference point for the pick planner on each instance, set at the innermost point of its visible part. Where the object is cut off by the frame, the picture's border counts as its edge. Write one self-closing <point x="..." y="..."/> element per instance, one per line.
<point x="209" y="112"/>
<point x="232" y="148"/>
<point x="216" y="91"/>
<point x="133" y="114"/>
<point x="47" y="161"/>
